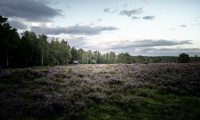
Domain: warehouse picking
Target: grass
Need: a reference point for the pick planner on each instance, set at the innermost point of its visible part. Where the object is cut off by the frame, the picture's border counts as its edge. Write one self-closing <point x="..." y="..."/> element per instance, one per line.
<point x="102" y="92"/>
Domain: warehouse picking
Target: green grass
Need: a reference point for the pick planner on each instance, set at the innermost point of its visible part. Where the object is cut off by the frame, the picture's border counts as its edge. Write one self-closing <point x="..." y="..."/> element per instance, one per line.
<point x="155" y="107"/>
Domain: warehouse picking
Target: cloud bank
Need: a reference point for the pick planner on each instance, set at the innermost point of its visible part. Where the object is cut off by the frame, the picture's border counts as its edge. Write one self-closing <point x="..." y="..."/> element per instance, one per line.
<point x="74" y="30"/>
<point x="170" y="51"/>
<point x="18" y="24"/>
<point x="145" y="43"/>
<point x="29" y="10"/>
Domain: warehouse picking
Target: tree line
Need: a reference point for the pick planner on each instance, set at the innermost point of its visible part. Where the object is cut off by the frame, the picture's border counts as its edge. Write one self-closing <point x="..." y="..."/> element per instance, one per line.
<point x="30" y="49"/>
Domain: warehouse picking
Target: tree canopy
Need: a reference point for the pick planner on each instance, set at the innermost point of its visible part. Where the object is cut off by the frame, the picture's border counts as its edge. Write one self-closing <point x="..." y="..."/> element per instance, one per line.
<point x="183" y="58"/>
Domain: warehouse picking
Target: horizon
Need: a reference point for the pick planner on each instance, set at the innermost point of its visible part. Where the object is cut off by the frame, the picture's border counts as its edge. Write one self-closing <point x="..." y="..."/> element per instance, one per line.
<point x="139" y="27"/>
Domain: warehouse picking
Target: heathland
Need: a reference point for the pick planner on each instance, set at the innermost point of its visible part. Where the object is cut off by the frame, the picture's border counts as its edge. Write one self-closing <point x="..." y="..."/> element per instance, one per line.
<point x="102" y="91"/>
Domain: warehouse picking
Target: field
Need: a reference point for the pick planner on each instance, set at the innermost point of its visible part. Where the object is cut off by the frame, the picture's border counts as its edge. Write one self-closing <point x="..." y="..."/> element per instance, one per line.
<point x="102" y="92"/>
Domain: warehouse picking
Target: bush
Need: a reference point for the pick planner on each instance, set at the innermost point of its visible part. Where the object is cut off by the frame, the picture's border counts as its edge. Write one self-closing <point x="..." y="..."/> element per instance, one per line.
<point x="183" y="58"/>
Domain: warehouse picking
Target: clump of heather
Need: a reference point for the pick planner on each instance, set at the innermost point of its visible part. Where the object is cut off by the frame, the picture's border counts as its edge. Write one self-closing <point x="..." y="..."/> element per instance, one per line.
<point x="27" y="73"/>
<point x="5" y="74"/>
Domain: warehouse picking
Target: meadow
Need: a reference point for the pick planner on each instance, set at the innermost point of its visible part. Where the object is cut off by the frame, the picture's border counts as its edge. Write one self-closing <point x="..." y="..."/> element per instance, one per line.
<point x="151" y="91"/>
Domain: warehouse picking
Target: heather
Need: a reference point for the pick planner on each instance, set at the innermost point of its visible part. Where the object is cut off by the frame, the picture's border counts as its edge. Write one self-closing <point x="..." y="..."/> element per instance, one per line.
<point x="102" y="91"/>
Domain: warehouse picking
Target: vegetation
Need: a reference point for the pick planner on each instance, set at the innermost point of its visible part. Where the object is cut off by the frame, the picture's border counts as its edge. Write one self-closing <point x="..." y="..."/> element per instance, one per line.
<point x="106" y="91"/>
<point x="154" y="89"/>
<point x="35" y="50"/>
<point x="183" y="58"/>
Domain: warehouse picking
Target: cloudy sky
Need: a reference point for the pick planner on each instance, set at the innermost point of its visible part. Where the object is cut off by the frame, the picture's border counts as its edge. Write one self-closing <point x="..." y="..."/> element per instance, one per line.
<point x="140" y="27"/>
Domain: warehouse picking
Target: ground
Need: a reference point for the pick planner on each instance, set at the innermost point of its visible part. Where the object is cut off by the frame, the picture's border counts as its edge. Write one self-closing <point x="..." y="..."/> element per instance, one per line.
<point x="102" y="92"/>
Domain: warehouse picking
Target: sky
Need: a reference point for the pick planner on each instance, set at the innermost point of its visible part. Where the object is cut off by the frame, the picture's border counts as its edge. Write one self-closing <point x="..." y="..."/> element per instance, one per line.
<point x="140" y="27"/>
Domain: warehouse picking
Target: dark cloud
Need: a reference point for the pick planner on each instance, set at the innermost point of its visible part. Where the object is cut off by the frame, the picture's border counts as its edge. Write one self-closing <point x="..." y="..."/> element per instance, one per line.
<point x="74" y="30"/>
<point x="18" y="24"/>
<point x="146" y="43"/>
<point x="129" y="13"/>
<point x="30" y="10"/>
<point x="106" y="10"/>
<point x="149" y="17"/>
<point x="183" y="25"/>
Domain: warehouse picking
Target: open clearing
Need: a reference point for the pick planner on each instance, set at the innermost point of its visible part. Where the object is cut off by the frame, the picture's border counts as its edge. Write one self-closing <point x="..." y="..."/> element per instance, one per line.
<point x="102" y="91"/>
